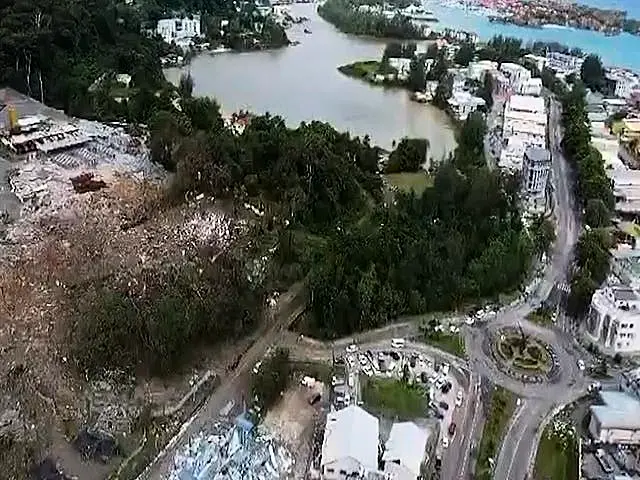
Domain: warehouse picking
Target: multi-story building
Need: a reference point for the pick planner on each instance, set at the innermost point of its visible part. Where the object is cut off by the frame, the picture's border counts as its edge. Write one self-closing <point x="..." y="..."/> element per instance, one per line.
<point x="535" y="173"/>
<point x="622" y="83"/>
<point x="179" y="30"/>
<point x="478" y="70"/>
<point x="406" y="451"/>
<point x="617" y="420"/>
<point x="613" y="321"/>
<point x="525" y="116"/>
<point x="531" y="87"/>
<point x="563" y="63"/>
<point x="512" y="154"/>
<point x="463" y="104"/>
<point x="516" y="73"/>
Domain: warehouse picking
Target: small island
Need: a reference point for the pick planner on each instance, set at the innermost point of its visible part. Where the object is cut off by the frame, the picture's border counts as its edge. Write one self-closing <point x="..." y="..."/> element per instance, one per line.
<point x="401" y="20"/>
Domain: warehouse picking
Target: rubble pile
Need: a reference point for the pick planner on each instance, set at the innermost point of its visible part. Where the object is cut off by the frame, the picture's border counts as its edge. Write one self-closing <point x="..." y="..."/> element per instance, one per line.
<point x="228" y="452"/>
<point x="85" y="183"/>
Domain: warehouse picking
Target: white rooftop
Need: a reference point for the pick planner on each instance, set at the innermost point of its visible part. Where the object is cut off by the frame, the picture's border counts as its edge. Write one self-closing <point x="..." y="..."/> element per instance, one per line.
<point x="406" y="445"/>
<point x="526" y="103"/>
<point x="621" y="410"/>
<point x="351" y="432"/>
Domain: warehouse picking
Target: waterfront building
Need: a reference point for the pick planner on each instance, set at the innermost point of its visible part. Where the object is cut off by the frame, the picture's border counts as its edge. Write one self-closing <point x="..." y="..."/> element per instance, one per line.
<point x="613" y="321"/>
<point x="462" y="104"/>
<point x="563" y="63"/>
<point x="535" y="175"/>
<point x="620" y="82"/>
<point x="402" y="66"/>
<point x="538" y="61"/>
<point x="181" y="31"/>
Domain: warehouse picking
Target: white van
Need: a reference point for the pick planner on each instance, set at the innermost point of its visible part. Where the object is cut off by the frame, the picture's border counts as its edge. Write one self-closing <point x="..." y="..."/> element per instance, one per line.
<point x="397" y="342"/>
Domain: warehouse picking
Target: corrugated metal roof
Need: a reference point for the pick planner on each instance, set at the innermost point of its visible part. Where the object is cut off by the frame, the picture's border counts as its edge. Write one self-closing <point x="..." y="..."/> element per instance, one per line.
<point x="351" y="432"/>
<point x="407" y="443"/>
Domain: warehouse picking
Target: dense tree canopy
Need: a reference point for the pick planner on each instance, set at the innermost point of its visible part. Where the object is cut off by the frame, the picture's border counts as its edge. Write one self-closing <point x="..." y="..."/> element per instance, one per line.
<point x="347" y="18"/>
<point x="408" y="156"/>
<point x="465" y="54"/>
<point x="592" y="73"/>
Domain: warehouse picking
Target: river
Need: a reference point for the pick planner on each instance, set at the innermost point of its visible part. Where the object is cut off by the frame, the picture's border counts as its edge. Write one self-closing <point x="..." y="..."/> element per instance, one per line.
<point x="302" y="83"/>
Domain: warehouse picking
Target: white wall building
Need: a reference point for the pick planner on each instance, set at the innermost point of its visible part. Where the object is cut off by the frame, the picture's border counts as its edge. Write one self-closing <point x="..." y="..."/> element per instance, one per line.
<point x="531" y="86"/>
<point x="477" y="70"/>
<point x="563" y="63"/>
<point x="622" y="82"/>
<point x="179" y="30"/>
<point x="613" y="321"/>
<point x="517" y="74"/>
<point x="525" y="116"/>
<point x="618" y="420"/>
<point x="402" y="65"/>
<point x="535" y="172"/>
<point x="405" y="451"/>
<point x="350" y="444"/>
<point x="512" y="154"/>
<point x="463" y="104"/>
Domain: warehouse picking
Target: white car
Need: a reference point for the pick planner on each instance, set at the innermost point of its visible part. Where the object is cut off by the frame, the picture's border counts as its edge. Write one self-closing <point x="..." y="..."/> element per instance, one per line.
<point x="581" y="365"/>
<point x="363" y="360"/>
<point x="353" y="348"/>
<point x="445" y="442"/>
<point x="257" y="366"/>
<point x="351" y="361"/>
<point x="459" y="398"/>
<point x="445" y="369"/>
<point x="469" y="321"/>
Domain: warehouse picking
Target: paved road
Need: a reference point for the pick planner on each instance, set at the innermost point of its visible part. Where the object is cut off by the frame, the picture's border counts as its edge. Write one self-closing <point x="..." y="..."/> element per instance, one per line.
<point x="290" y="305"/>
<point x="520" y="440"/>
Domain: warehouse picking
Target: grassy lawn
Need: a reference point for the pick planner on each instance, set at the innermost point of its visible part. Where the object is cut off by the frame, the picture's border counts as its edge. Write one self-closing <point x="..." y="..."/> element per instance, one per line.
<point x="407" y="181"/>
<point x="448" y="342"/>
<point x="500" y="411"/>
<point x="542" y="316"/>
<point x="360" y="69"/>
<point x="394" y="398"/>
<point x="557" y="456"/>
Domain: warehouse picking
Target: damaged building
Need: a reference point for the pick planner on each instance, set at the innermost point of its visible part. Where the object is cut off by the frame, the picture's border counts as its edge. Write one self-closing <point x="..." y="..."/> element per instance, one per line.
<point x="232" y="451"/>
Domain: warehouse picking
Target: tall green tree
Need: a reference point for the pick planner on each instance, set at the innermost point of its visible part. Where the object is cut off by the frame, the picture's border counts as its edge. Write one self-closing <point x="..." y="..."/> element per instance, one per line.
<point x="592" y="73"/>
<point x="465" y="54"/>
<point x="417" y="75"/>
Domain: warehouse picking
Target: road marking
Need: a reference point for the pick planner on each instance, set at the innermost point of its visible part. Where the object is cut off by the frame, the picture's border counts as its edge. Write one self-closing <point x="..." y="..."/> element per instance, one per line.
<point x="513" y="423"/>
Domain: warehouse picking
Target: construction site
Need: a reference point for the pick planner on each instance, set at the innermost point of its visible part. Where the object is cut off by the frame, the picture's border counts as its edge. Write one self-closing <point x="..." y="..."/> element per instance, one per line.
<point x="79" y="201"/>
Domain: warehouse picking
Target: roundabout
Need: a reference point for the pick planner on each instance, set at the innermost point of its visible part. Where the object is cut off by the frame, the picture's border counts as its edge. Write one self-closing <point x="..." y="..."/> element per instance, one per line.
<point x="523" y="356"/>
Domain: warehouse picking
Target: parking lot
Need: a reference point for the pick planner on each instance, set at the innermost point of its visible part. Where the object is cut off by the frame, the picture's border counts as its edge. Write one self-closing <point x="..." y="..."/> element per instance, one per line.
<point x="441" y="388"/>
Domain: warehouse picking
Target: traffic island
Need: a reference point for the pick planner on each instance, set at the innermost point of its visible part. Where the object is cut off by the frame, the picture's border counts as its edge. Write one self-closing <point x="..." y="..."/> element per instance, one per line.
<point x="522" y="356"/>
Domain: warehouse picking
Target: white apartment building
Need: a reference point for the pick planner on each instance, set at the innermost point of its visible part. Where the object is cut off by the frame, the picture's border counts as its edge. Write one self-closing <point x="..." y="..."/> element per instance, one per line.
<point x="563" y="63"/>
<point x="179" y="30"/>
<point x="618" y="420"/>
<point x="512" y="154"/>
<point x="517" y="74"/>
<point x="463" y="104"/>
<point x="350" y="444"/>
<point x="622" y="82"/>
<point x="526" y="117"/>
<point x="531" y="87"/>
<point x="535" y="173"/>
<point x="402" y="66"/>
<point x="613" y="321"/>
<point x="477" y="70"/>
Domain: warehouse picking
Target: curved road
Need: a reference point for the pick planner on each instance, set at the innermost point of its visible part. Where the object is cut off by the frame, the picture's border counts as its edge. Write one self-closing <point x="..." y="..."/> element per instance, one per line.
<point x="520" y="441"/>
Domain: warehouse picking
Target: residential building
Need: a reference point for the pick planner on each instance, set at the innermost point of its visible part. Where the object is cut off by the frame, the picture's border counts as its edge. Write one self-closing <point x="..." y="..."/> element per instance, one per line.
<point x="563" y="63"/>
<point x="621" y="82"/>
<point x="525" y="116"/>
<point x="462" y="104"/>
<point x="501" y="85"/>
<point x="402" y="66"/>
<point x="617" y="420"/>
<point x="405" y="451"/>
<point x="516" y="73"/>
<point x="350" y="444"/>
<point x="535" y="173"/>
<point x="477" y="70"/>
<point x="512" y="154"/>
<point x="626" y="190"/>
<point x="179" y="30"/>
<point x="613" y="321"/>
<point x="537" y="60"/>
<point x="530" y="86"/>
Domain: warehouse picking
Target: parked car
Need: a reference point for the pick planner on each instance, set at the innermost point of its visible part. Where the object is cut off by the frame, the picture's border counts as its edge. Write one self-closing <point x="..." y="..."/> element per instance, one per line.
<point x="445" y="368"/>
<point x="459" y="398"/>
<point x="444" y="405"/>
<point x="446" y="388"/>
<point x="581" y="365"/>
<point x="445" y="442"/>
<point x="452" y="429"/>
<point x="257" y="366"/>
<point x="439" y="415"/>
